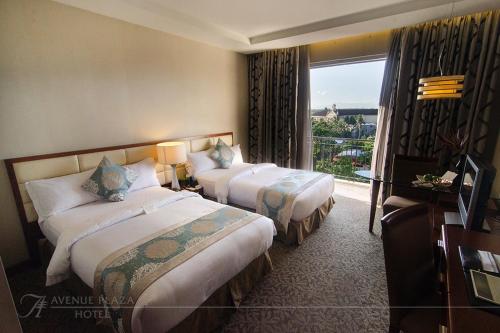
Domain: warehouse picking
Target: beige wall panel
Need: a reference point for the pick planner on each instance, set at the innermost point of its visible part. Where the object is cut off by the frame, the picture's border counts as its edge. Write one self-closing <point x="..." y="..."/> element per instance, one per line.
<point x="92" y="160"/>
<point x="140" y="153"/>
<point x="71" y="79"/>
<point x="30" y="212"/>
<point x="200" y="144"/>
<point x="228" y="139"/>
<point x="24" y="193"/>
<point x="61" y="166"/>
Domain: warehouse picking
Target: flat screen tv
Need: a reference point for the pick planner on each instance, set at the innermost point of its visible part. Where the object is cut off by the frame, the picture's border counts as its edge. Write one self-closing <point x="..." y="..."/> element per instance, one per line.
<point x="474" y="192"/>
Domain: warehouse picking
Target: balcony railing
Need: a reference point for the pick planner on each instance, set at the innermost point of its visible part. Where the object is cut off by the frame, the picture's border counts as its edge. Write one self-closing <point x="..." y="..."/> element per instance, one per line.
<point x="342" y="157"/>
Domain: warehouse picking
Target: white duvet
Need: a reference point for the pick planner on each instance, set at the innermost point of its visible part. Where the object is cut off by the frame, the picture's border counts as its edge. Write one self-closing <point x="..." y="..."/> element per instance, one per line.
<point x="89" y="233"/>
<point x="241" y="183"/>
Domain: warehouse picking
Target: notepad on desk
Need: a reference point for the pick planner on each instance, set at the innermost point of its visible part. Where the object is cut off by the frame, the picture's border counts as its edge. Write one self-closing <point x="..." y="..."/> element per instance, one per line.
<point x="486" y="286"/>
<point x="483" y="269"/>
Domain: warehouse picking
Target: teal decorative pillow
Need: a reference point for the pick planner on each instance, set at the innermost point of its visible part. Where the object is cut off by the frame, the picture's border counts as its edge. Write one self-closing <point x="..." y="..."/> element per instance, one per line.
<point x="110" y="181"/>
<point x="223" y="154"/>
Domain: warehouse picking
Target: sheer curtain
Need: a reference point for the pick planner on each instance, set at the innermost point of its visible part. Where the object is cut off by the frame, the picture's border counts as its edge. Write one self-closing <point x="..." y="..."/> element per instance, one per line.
<point x="470" y="45"/>
<point x="279" y="107"/>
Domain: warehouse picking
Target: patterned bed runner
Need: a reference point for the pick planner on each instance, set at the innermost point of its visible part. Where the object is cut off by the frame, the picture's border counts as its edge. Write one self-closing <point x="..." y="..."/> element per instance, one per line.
<point x="277" y="200"/>
<point x="124" y="275"/>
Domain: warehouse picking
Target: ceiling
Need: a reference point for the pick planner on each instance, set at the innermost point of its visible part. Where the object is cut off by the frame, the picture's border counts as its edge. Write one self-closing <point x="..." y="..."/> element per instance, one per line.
<point x="249" y="26"/>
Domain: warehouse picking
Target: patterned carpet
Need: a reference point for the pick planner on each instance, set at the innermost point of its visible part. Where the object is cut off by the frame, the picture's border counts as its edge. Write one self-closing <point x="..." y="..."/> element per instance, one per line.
<point x="333" y="282"/>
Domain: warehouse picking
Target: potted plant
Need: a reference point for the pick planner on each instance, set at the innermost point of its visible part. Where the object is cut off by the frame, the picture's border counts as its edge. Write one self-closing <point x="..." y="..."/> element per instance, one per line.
<point x="455" y="143"/>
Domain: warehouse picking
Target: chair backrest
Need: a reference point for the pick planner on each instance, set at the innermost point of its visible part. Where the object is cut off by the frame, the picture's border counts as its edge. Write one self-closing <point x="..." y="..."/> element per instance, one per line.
<point x="404" y="171"/>
<point x="409" y="259"/>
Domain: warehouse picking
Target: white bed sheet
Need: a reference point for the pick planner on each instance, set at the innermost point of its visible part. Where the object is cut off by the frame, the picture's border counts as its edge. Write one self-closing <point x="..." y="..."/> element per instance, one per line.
<point x="56" y="224"/>
<point x="243" y="190"/>
<point x="50" y="232"/>
<point x="175" y="295"/>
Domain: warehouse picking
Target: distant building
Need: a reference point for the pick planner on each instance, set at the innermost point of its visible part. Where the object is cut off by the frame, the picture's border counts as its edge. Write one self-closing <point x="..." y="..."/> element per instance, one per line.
<point x="368" y="128"/>
<point x="325" y="113"/>
<point x="369" y="115"/>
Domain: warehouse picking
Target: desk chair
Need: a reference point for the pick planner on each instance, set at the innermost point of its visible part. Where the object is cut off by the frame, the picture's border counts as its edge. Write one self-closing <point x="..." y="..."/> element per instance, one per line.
<point x="410" y="270"/>
<point x="404" y="171"/>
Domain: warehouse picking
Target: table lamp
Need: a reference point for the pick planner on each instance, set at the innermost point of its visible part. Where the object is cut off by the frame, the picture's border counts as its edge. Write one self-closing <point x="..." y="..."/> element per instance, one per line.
<point x="172" y="153"/>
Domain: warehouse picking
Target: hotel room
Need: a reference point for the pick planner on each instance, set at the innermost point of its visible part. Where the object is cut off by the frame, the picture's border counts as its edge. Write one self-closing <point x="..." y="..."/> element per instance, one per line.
<point x="265" y="166"/>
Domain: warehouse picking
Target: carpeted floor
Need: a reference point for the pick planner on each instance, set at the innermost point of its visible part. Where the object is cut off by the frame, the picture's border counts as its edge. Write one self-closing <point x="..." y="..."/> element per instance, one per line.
<point x="333" y="282"/>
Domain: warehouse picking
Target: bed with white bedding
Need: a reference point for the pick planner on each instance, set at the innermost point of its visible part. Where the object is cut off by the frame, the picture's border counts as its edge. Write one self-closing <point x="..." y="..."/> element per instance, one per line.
<point x="172" y="251"/>
<point x="246" y="185"/>
<point x="87" y="234"/>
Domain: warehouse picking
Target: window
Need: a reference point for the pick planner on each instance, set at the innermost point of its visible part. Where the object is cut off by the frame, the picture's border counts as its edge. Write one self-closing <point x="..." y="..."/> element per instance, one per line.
<point x="344" y="100"/>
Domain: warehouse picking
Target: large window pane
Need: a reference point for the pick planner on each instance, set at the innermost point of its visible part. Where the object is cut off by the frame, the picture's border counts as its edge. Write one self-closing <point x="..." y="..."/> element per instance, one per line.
<point x="344" y="101"/>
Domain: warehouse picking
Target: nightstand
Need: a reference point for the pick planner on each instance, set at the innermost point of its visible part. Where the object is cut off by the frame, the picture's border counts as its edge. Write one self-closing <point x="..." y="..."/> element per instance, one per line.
<point x="196" y="189"/>
<point x="185" y="187"/>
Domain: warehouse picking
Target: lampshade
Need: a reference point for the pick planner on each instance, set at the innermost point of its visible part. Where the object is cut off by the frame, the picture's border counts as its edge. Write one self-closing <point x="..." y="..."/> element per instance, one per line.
<point x="440" y="87"/>
<point x="171" y="152"/>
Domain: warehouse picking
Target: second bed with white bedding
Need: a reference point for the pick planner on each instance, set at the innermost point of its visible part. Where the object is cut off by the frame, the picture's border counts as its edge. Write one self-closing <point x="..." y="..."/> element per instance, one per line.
<point x="241" y="183"/>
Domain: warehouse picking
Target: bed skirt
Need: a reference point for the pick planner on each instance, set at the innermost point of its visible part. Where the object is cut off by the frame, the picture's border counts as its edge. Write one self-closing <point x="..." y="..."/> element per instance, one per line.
<point x="217" y="309"/>
<point x="213" y="313"/>
<point x="299" y="230"/>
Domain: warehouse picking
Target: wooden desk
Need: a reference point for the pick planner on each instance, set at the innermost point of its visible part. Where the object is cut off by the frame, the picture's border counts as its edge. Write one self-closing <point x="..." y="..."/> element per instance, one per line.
<point x="461" y="317"/>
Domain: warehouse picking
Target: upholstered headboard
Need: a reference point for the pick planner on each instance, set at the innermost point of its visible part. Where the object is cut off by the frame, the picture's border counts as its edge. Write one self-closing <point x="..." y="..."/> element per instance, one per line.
<point x="29" y="168"/>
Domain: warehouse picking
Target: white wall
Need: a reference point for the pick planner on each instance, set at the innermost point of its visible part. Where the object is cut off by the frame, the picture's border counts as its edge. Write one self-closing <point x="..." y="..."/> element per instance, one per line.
<point x="71" y="79"/>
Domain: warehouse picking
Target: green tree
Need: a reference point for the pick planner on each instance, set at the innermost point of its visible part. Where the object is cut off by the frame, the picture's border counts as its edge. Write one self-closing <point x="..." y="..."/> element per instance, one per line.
<point x="342" y="168"/>
<point x="336" y="128"/>
<point x="359" y="123"/>
<point x="350" y="120"/>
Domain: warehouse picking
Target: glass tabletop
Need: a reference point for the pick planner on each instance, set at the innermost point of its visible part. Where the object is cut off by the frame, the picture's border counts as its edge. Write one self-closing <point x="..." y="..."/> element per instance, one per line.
<point x="367" y="174"/>
<point x="363" y="173"/>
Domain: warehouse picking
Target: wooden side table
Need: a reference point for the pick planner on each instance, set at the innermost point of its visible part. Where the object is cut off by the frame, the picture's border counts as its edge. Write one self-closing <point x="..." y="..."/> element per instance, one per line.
<point x="198" y="189"/>
<point x="194" y="189"/>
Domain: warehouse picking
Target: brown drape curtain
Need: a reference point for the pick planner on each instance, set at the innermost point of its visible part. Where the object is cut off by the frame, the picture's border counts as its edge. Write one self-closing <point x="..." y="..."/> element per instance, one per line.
<point x="279" y="105"/>
<point x="471" y="46"/>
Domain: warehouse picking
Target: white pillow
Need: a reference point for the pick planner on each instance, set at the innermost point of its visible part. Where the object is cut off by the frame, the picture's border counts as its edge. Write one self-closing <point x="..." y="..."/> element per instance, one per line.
<point x="238" y="158"/>
<point x="55" y="195"/>
<point x="146" y="172"/>
<point x="201" y="161"/>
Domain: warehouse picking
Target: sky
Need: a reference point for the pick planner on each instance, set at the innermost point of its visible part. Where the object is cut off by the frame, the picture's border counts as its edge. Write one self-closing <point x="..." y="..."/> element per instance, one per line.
<point x="347" y="86"/>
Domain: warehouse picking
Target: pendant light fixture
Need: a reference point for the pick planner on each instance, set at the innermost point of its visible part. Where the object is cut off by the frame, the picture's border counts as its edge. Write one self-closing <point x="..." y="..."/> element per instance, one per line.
<point x="438" y="87"/>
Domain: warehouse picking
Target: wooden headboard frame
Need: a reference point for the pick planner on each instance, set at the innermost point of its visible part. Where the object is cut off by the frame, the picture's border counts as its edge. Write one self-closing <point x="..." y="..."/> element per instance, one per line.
<point x="31" y="229"/>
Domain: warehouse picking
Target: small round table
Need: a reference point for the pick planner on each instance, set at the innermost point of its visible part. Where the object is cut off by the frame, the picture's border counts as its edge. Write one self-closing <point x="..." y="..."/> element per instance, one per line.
<point x="363" y="173"/>
<point x="434" y="192"/>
